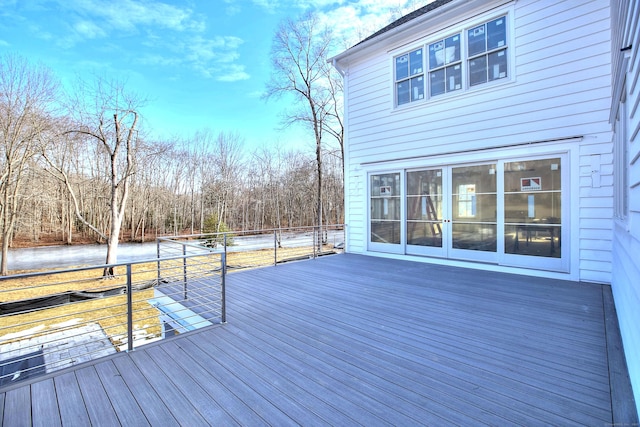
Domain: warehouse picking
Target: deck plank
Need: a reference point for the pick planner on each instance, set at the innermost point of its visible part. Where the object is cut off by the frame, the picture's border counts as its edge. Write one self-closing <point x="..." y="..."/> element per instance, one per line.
<point x="70" y="400"/>
<point x="44" y="404"/>
<point x="450" y="369"/>
<point x="350" y="339"/>
<point x="203" y="368"/>
<point x="206" y="404"/>
<point x="176" y="402"/>
<point x="17" y="407"/>
<point x="99" y="406"/>
<point x="524" y="384"/>
<point x="154" y="408"/>
<point x="123" y="401"/>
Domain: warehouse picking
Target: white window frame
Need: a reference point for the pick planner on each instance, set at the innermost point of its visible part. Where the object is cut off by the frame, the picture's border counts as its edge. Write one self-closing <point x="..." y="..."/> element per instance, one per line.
<point x="464" y="86"/>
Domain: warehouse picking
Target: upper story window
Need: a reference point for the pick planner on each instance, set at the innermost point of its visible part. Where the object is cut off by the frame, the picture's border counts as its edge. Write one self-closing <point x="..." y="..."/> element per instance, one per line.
<point x="410" y="77"/>
<point x="445" y="66"/>
<point x="462" y="60"/>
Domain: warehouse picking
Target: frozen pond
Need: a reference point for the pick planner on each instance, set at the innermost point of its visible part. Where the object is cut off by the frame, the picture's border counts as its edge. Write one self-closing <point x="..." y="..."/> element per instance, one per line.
<point x="49" y="257"/>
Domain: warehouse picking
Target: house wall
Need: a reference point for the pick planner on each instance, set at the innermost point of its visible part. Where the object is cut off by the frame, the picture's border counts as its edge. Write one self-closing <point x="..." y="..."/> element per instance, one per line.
<point x="626" y="237"/>
<point x="560" y="87"/>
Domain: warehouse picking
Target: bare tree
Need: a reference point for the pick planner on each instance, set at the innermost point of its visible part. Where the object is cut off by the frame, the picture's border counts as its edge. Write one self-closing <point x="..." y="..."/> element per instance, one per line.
<point x="27" y="95"/>
<point x="299" y="60"/>
<point x="107" y="115"/>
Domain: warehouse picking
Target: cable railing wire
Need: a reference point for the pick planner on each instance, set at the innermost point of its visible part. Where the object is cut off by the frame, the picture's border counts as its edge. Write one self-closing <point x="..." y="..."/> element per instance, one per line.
<point x="54" y="319"/>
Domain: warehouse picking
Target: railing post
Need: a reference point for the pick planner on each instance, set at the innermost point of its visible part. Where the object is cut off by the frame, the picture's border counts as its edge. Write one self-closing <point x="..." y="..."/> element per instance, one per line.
<point x="224" y="243"/>
<point x="223" y="302"/>
<point x="275" y="247"/>
<point x="129" y="310"/>
<point x="158" y="262"/>
<point x="315" y="236"/>
<point x="184" y="270"/>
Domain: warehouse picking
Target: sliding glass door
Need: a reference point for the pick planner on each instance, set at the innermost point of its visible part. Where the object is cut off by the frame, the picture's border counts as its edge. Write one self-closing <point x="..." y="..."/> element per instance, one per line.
<point x="507" y="212"/>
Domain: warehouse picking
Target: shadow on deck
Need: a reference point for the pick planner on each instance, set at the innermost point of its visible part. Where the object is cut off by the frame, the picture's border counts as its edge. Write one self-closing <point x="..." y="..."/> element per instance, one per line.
<point x="351" y="339"/>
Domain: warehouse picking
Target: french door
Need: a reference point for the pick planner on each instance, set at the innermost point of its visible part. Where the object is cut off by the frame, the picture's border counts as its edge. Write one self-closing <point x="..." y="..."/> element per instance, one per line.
<point x="507" y="212"/>
<point x="452" y="212"/>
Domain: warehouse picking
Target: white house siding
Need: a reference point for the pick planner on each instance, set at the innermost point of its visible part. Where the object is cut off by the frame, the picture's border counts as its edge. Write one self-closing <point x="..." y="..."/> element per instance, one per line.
<point x="626" y="232"/>
<point x="560" y="88"/>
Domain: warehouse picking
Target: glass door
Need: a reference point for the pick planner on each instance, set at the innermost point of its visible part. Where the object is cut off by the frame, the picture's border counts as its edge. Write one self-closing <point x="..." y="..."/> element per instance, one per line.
<point x="426" y="210"/>
<point x="474" y="212"/>
<point x="510" y="212"/>
<point x="533" y="215"/>
<point x="452" y="212"/>
<point x="385" y="221"/>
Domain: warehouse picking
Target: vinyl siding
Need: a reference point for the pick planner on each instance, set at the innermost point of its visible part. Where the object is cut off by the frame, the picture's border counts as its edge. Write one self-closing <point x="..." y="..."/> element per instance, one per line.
<point x="560" y="87"/>
<point x="626" y="242"/>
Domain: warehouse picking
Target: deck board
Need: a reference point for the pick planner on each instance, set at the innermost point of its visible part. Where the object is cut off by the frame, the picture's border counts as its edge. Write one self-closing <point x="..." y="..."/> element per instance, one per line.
<point x="45" y="406"/>
<point x="350" y="339"/>
<point x="155" y="410"/>
<point x="116" y="391"/>
<point x="17" y="407"/>
<point x="176" y="402"/>
<point x="70" y="400"/>
<point x="99" y="407"/>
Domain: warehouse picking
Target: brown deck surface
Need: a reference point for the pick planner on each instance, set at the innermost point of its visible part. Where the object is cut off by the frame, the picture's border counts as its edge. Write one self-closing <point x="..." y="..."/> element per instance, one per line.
<point x="347" y="340"/>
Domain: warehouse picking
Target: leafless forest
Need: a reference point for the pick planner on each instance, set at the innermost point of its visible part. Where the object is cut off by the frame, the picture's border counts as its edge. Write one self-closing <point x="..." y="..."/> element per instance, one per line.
<point x="62" y="162"/>
<point x="208" y="183"/>
<point x="78" y="164"/>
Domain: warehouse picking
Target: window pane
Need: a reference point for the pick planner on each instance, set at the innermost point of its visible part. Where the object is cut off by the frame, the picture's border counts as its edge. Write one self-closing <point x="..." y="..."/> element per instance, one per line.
<point x="454" y="78"/>
<point x="452" y="49"/>
<point x="436" y="54"/>
<point x="496" y="33"/>
<point x="477" y="237"/>
<point x="478" y="70"/>
<point x="471" y="207"/>
<point x="533" y="240"/>
<point x="387" y="208"/>
<point x="402" y="67"/>
<point x="534" y="208"/>
<point x="427" y="207"/>
<point x="483" y="178"/>
<point x="477" y="40"/>
<point x="402" y="90"/>
<point x="415" y="61"/>
<point x="417" y="88"/>
<point x="424" y="233"/>
<point x="385" y="185"/>
<point x="532" y="175"/>
<point x="437" y="82"/>
<point x="498" y="65"/>
<point x="385" y="232"/>
<point x="424" y="182"/>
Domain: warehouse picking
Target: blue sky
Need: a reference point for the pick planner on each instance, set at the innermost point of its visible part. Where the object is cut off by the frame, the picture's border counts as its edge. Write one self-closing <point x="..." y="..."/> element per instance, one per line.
<point x="199" y="63"/>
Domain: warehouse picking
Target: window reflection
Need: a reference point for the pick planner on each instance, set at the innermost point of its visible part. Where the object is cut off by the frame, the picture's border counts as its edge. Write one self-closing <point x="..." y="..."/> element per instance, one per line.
<point x="533" y="205"/>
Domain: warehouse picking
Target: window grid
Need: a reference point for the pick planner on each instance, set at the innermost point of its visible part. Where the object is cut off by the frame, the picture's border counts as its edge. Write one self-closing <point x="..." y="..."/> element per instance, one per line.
<point x="455" y="63"/>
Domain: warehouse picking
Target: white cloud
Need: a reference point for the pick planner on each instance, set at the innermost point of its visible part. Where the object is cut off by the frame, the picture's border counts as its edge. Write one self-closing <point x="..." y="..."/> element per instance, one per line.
<point x="232" y="73"/>
<point x="88" y="29"/>
<point x="130" y="14"/>
<point x="353" y="22"/>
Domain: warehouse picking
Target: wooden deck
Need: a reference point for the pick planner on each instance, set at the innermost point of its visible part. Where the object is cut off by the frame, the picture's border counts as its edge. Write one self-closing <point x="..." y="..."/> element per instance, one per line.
<point x="348" y="340"/>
